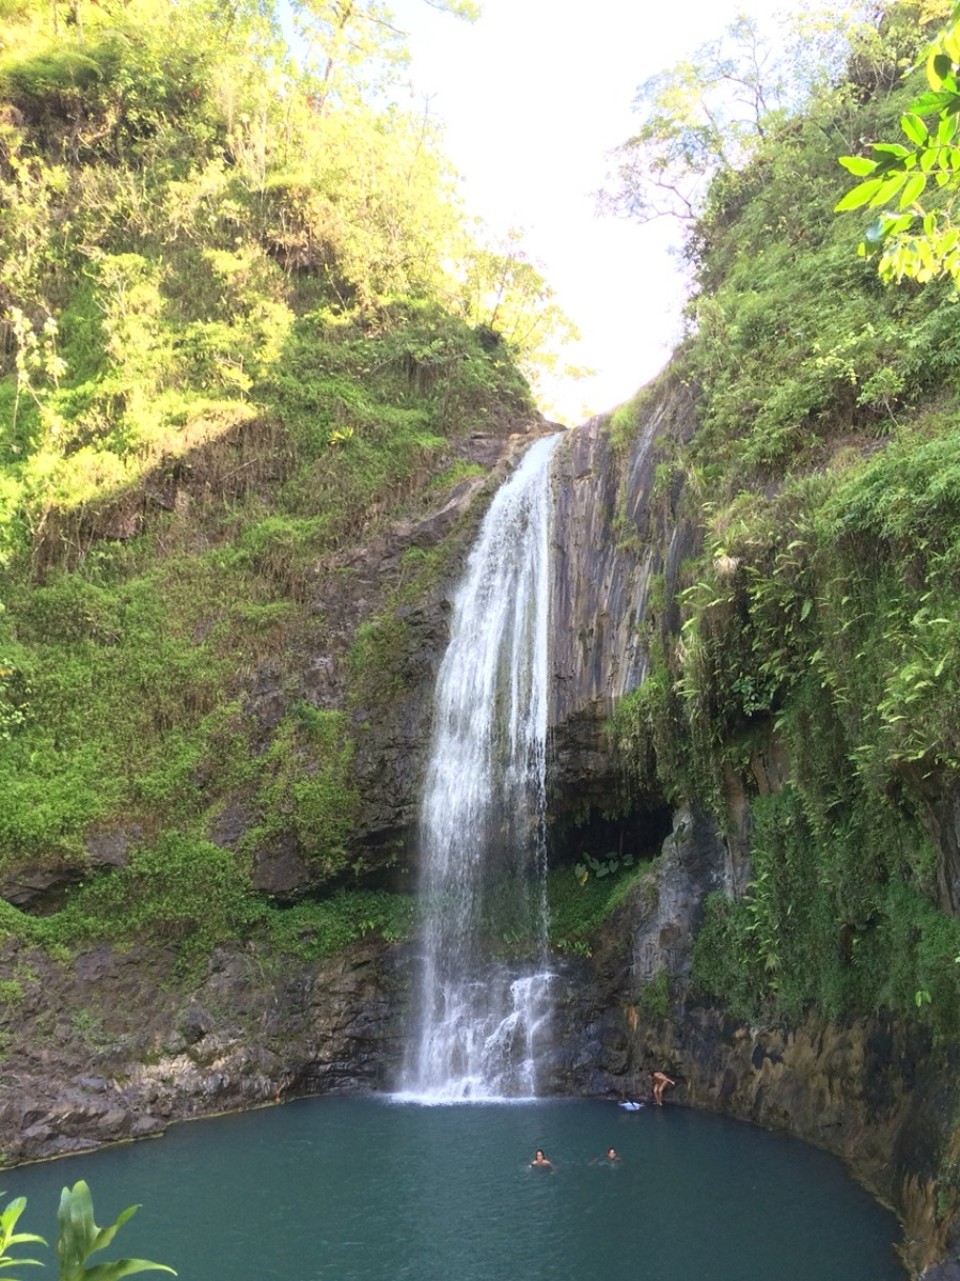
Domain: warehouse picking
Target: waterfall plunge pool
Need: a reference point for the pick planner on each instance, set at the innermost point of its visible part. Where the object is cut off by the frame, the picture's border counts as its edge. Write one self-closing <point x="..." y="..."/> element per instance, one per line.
<point x="369" y="1189"/>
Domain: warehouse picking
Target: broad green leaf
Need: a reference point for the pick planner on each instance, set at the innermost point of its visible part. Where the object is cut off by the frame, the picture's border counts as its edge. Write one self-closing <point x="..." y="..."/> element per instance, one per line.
<point x="912" y="189"/>
<point x="859" y="166"/>
<point x="860" y="195"/>
<point x="939" y="68"/>
<point x="80" y="1237"/>
<point x="888" y="189"/>
<point x="106" y="1235"/>
<point x="896" y="224"/>
<point x="947" y="129"/>
<point x="123" y="1268"/>
<point x="928" y="103"/>
<point x="915" y="129"/>
<point x="894" y="149"/>
<point x="9" y="1236"/>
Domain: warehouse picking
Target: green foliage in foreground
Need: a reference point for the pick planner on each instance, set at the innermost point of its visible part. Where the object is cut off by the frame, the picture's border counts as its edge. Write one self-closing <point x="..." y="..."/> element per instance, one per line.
<point x="78" y="1239"/>
<point x="9" y="1236"/>
<point x="914" y="183"/>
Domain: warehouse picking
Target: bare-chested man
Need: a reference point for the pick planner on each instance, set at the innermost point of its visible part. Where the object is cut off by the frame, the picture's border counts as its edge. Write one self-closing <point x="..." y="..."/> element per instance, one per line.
<point x="660" y="1082"/>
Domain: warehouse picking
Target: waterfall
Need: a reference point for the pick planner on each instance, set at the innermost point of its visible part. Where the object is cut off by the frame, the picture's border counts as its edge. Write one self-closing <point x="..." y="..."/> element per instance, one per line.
<point x="482" y="1000"/>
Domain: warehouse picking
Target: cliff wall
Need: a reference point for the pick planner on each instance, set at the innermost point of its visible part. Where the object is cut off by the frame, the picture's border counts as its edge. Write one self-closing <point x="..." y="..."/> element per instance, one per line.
<point x="614" y="529"/>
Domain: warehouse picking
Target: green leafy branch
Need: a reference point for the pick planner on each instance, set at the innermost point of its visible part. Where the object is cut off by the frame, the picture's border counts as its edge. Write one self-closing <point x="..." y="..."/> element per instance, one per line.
<point x="918" y="242"/>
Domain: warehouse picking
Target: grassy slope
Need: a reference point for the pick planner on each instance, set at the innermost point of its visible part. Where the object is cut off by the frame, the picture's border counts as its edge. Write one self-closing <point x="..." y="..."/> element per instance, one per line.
<point x="230" y="351"/>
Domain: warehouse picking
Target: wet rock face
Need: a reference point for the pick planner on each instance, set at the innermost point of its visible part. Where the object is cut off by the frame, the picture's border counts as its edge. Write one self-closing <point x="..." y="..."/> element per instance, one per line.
<point x="664" y="920"/>
<point x="599" y="586"/>
<point x="42" y="888"/>
<point x="109" y="1049"/>
<point x="612" y="534"/>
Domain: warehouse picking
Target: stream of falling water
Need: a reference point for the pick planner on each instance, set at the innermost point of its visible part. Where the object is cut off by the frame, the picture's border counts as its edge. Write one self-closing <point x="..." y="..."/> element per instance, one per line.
<point x="482" y="1004"/>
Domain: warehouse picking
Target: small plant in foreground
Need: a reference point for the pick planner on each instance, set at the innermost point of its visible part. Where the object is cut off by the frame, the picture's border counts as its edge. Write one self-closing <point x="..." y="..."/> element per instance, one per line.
<point x="79" y="1238"/>
<point x="9" y="1236"/>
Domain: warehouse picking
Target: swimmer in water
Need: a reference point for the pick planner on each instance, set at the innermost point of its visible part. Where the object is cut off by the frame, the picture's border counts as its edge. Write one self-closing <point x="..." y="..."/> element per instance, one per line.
<point x="611" y="1158"/>
<point x="540" y="1161"/>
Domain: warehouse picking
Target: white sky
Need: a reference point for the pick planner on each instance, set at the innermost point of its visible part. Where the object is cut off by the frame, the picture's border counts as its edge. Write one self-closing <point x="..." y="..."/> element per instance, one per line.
<point x="532" y="97"/>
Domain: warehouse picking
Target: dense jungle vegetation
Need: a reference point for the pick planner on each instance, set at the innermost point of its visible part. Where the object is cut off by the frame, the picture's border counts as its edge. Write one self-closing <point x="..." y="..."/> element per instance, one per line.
<point x="817" y="661"/>
<point x="243" y="321"/>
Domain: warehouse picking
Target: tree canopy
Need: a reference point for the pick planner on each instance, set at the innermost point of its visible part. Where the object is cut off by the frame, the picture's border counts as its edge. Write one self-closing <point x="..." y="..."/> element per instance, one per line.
<point x="708" y="114"/>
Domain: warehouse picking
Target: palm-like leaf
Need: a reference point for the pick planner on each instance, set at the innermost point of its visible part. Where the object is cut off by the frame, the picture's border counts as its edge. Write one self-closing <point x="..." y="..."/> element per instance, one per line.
<point x="80" y="1238"/>
<point x="9" y="1236"/>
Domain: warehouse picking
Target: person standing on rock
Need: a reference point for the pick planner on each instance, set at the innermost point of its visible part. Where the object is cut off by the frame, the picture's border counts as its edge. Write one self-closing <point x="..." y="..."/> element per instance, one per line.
<point x="660" y="1082"/>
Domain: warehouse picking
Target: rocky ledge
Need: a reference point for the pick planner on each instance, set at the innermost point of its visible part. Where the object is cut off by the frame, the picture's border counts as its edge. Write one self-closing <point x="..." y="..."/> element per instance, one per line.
<point x="115" y="1047"/>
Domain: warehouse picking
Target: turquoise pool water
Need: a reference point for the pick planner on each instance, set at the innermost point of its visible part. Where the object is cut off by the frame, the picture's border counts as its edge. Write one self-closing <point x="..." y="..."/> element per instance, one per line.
<point x="374" y="1190"/>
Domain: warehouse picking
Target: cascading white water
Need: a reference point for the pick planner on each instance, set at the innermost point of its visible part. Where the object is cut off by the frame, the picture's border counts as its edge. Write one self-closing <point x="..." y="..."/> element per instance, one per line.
<point x="483" y="859"/>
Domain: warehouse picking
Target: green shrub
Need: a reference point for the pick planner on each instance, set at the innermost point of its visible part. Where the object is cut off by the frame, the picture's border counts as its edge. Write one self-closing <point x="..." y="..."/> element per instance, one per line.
<point x="307" y="786"/>
<point x="184" y="892"/>
<point x="654" y="1002"/>
<point x="577" y="909"/>
<point x="318" y="928"/>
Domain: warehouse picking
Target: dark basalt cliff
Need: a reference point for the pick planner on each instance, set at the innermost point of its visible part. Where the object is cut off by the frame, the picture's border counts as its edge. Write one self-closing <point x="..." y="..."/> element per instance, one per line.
<point x="876" y="1092"/>
<point x="612" y="532"/>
